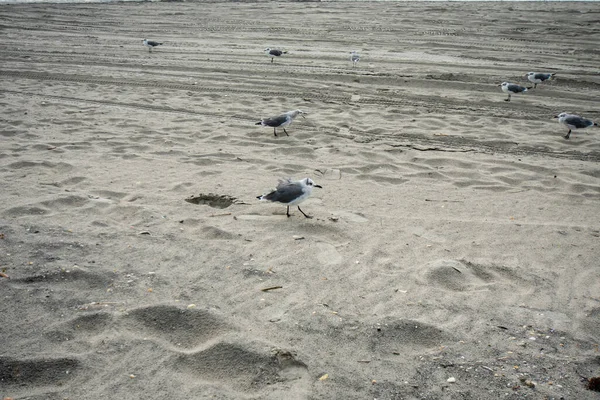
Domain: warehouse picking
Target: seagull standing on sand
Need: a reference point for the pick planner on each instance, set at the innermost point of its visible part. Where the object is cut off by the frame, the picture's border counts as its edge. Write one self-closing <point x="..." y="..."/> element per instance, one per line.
<point x="291" y="193"/>
<point x="573" y="121"/>
<point x="151" y="44"/>
<point x="538" y="77"/>
<point x="274" y="53"/>
<point x="281" y="121"/>
<point x="355" y="58"/>
<point x="511" y="88"/>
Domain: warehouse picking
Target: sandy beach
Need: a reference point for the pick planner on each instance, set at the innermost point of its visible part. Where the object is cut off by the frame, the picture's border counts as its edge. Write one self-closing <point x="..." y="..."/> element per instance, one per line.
<point x="454" y="248"/>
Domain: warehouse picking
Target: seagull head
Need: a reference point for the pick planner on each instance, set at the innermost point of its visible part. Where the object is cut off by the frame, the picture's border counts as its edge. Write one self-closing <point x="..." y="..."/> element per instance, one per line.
<point x="295" y="113"/>
<point x="504" y="84"/>
<point x="268" y="49"/>
<point x="530" y="73"/>
<point x="310" y="182"/>
<point x="561" y="115"/>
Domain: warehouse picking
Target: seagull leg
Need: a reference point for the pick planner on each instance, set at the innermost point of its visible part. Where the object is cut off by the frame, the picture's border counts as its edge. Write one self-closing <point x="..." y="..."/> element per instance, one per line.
<point x="568" y="135"/>
<point x="272" y="58"/>
<point x="275" y="131"/>
<point x="534" y="85"/>
<point x="507" y="99"/>
<point x="307" y="216"/>
<point x="288" y="211"/>
<point x="285" y="132"/>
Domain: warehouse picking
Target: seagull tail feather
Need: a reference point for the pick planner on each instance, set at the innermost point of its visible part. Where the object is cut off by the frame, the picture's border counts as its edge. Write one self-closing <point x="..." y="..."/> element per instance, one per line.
<point x="265" y="197"/>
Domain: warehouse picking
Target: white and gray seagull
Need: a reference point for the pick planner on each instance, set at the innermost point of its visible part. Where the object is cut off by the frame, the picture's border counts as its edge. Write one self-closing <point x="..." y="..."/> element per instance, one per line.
<point x="538" y="77"/>
<point x="511" y="88"/>
<point x="573" y="121"/>
<point x="150" y="44"/>
<point x="355" y="58"/>
<point x="281" y="121"/>
<point x="274" y="53"/>
<point x="291" y="193"/>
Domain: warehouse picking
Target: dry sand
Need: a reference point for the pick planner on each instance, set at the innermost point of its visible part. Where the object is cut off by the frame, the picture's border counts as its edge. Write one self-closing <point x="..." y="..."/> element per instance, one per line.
<point x="456" y="235"/>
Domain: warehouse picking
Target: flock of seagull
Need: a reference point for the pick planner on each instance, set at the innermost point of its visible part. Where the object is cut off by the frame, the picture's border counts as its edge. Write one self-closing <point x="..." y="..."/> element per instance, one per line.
<point x="290" y="192"/>
<point x="571" y="121"/>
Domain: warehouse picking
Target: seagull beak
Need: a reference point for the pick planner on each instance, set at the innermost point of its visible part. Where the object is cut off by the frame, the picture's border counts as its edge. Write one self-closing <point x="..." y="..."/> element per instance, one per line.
<point x="319" y="186"/>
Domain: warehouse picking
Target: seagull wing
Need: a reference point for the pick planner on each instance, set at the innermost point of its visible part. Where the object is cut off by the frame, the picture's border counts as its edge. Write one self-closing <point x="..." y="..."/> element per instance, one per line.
<point x="578" y="122"/>
<point x="275" y="121"/>
<point x="284" y="182"/>
<point x="516" y="88"/>
<point x="543" y="77"/>
<point x="286" y="192"/>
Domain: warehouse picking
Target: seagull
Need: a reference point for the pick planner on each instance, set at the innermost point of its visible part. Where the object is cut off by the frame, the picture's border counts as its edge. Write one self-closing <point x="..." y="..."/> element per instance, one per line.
<point x="355" y="58"/>
<point x="573" y="121"/>
<point x="150" y="44"/>
<point x="291" y="193"/>
<point x="281" y="121"/>
<point x="537" y="77"/>
<point x="274" y="53"/>
<point x="511" y="88"/>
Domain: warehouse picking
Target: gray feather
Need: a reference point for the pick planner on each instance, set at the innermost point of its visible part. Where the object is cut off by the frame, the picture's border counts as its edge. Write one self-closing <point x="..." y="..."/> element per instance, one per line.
<point x="578" y="122"/>
<point x="286" y="192"/>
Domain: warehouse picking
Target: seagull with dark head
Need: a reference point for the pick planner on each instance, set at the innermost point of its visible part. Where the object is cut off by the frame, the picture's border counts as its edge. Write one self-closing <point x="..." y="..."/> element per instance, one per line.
<point x="573" y="121"/>
<point x="538" y="77"/>
<point x="291" y="193"/>
<point x="511" y="88"/>
<point x="150" y="44"/>
<point x="281" y="121"/>
<point x="274" y="53"/>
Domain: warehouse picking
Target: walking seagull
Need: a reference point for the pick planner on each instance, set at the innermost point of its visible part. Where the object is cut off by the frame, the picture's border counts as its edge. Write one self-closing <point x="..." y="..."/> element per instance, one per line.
<point x="281" y="121"/>
<point x="573" y="121"/>
<point x="355" y="58"/>
<point x="511" y="88"/>
<point x="151" y="44"/>
<point x="537" y="77"/>
<point x="291" y="193"/>
<point x="274" y="53"/>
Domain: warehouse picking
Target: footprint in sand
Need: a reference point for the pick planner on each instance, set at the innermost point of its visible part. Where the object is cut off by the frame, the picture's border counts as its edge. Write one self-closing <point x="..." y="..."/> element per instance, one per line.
<point x="409" y="335"/>
<point x="184" y="343"/>
<point x="351" y="217"/>
<point x="173" y="326"/>
<point x="460" y="276"/>
<point x="328" y="254"/>
<point x="249" y="366"/>
<point x="38" y="371"/>
<point x="214" y="352"/>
